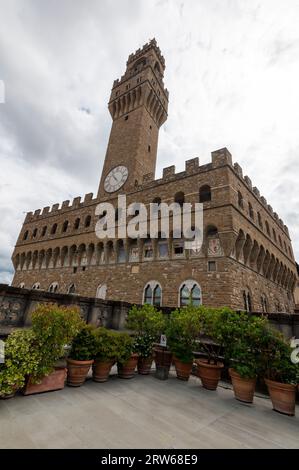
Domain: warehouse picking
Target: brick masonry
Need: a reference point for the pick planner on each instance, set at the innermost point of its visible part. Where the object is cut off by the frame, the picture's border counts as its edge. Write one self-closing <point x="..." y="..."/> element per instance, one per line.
<point x="247" y="242"/>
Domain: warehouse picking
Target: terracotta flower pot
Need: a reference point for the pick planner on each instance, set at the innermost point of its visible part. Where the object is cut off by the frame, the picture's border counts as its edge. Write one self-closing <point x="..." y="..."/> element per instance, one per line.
<point x="77" y="372"/>
<point x="144" y="365"/>
<point x="183" y="369"/>
<point x="101" y="370"/>
<point x="283" y="397"/>
<point x="243" y="387"/>
<point x="49" y="383"/>
<point x="209" y="373"/>
<point x="127" y="370"/>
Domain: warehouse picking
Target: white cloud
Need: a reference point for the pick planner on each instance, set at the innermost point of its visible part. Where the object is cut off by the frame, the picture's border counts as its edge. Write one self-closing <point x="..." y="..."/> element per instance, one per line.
<point x="232" y="73"/>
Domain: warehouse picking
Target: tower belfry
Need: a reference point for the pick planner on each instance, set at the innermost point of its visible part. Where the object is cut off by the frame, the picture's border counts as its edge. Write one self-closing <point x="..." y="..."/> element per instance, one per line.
<point x="138" y="106"/>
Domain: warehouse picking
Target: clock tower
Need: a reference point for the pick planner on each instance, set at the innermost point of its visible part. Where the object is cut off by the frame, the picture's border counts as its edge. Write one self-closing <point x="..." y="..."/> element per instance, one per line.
<point x="138" y="106"/>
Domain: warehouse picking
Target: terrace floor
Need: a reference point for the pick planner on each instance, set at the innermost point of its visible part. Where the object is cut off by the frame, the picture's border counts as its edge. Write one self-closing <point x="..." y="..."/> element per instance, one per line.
<point x="144" y="413"/>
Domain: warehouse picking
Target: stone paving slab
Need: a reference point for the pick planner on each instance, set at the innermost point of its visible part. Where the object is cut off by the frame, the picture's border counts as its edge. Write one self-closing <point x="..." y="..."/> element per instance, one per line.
<point x="144" y="413"/>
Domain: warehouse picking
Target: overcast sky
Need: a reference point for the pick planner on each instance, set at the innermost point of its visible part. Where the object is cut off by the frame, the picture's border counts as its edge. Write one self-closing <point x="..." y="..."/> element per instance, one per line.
<point x="232" y="71"/>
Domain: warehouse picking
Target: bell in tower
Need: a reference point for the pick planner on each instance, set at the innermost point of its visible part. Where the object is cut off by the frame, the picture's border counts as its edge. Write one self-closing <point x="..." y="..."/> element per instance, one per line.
<point x="138" y="106"/>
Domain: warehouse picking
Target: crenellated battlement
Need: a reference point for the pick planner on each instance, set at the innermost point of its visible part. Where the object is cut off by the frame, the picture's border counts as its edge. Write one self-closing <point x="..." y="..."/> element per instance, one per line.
<point x="56" y="209"/>
<point x="143" y="50"/>
<point x="219" y="158"/>
<point x="239" y="171"/>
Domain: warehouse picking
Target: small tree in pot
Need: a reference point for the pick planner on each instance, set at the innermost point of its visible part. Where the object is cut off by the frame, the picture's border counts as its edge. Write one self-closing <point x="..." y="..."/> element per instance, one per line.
<point x="148" y="324"/>
<point x="281" y="374"/>
<point x="81" y="356"/>
<point x="106" y="353"/>
<point x="182" y="330"/>
<point x="21" y="360"/>
<point x="211" y="345"/>
<point x="54" y="327"/>
<point x="127" y="357"/>
<point x="242" y="334"/>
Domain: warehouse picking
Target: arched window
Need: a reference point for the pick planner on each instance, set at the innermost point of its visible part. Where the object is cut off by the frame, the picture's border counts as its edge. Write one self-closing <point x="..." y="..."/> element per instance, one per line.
<point x="205" y="194"/>
<point x="280" y="242"/>
<point x="240" y="200"/>
<point x="247" y="301"/>
<point x="44" y="230"/>
<point x="25" y="236"/>
<point x="34" y="233"/>
<point x="264" y="303"/>
<point x="77" y="223"/>
<point x="274" y="234"/>
<point x="157" y="200"/>
<point x="36" y="286"/>
<point x="101" y="291"/>
<point x="260" y="220"/>
<point x="179" y="198"/>
<point x="22" y="285"/>
<point x="71" y="289"/>
<point x="87" y="221"/>
<point x="212" y="231"/>
<point x="65" y="226"/>
<point x="53" y="229"/>
<point x="250" y="210"/>
<point x="190" y="293"/>
<point x="53" y="287"/>
<point x="152" y="294"/>
<point x="267" y="228"/>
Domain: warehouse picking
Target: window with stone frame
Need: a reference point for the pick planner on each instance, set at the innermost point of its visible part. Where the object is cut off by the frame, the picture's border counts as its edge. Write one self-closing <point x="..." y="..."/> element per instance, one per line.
<point x="152" y="294"/>
<point x="190" y="293"/>
<point x="247" y="301"/>
<point x="178" y="248"/>
<point x="71" y="289"/>
<point x="205" y="194"/>
<point x="148" y="250"/>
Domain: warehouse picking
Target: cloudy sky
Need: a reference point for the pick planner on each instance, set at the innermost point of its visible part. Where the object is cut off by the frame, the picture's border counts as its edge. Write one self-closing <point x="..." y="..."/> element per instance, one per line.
<point x="232" y="70"/>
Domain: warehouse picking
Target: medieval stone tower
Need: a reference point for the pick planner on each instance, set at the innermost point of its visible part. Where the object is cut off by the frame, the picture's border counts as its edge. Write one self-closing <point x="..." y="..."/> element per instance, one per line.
<point x="138" y="106"/>
<point x="246" y="260"/>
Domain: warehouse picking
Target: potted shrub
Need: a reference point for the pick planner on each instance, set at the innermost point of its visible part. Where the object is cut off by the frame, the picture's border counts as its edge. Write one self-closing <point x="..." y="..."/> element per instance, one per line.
<point x="211" y="344"/>
<point x="147" y="323"/>
<point x="21" y="359"/>
<point x="242" y="335"/>
<point x="127" y="358"/>
<point x="281" y="375"/>
<point x="81" y="356"/>
<point x="54" y="327"/>
<point x="182" y="330"/>
<point x="106" y="353"/>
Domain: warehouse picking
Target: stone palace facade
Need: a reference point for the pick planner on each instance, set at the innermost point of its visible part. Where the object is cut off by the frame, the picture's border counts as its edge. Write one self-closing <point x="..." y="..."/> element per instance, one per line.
<point x="246" y="261"/>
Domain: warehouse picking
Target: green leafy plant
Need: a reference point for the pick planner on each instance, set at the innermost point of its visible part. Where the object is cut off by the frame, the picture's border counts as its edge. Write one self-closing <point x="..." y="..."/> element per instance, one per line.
<point x="148" y="324"/>
<point x="84" y="344"/>
<point x="212" y="340"/>
<point x="21" y="359"/>
<point x="54" y="327"/>
<point x="106" y="344"/>
<point x="242" y="341"/>
<point x="276" y="358"/>
<point x="125" y="347"/>
<point x="182" y="329"/>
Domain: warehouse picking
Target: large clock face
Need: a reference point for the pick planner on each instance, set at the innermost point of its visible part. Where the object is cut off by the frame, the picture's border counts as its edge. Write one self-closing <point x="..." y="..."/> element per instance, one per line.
<point x="116" y="178"/>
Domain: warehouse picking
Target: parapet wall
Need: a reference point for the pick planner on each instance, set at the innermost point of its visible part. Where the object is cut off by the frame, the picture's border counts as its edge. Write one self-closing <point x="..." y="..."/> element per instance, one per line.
<point x="16" y="306"/>
<point x="220" y="158"/>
